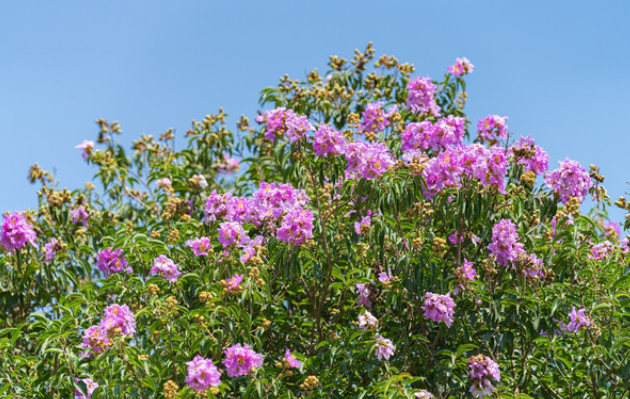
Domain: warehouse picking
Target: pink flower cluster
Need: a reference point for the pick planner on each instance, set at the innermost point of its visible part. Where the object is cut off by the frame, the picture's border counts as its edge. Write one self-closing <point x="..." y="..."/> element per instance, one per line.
<point x="202" y="374"/>
<point x="534" y="158"/>
<point x="111" y="261"/>
<point x="374" y="119"/>
<point x="601" y="251"/>
<point x="290" y="360"/>
<point x="577" y="320"/>
<point x="367" y="320"/>
<point x="446" y="132"/>
<point x="328" y="141"/>
<point x="273" y="204"/>
<point x="200" y="246"/>
<point x="364" y="294"/>
<point x="481" y="370"/>
<point x="233" y="284"/>
<point x="16" y="232"/>
<point x="365" y="221"/>
<point x="467" y="273"/>
<point x="229" y="165"/>
<point x="163" y="182"/>
<point x="439" y="308"/>
<point x="79" y="215"/>
<point x="282" y="121"/>
<point x="471" y="162"/>
<point x="369" y="160"/>
<point x="86" y="147"/>
<point x="492" y="128"/>
<point x="461" y="67"/>
<point x="384" y="348"/>
<point x="118" y="320"/>
<point x="50" y="250"/>
<point x="166" y="267"/>
<point x="241" y="360"/>
<point x="505" y="246"/>
<point x="569" y="180"/>
<point x="421" y="96"/>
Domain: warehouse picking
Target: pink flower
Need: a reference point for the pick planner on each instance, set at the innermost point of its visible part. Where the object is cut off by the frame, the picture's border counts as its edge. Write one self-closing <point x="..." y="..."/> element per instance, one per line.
<point x="200" y="246"/>
<point x="291" y="360"/>
<point x="505" y="246"/>
<point x="281" y="121"/>
<point x="569" y="180"/>
<point x="365" y="221"/>
<point x="328" y="140"/>
<point x="233" y="284"/>
<point x="374" y="119"/>
<point x="229" y="165"/>
<point x="464" y="274"/>
<point x="439" y="308"/>
<point x="50" y="250"/>
<point x="90" y="384"/>
<point x="79" y="215"/>
<point x="366" y="320"/>
<point x="165" y="266"/>
<point x="241" y="360"/>
<point x="481" y="369"/>
<point x="110" y="262"/>
<point x="384" y="277"/>
<point x="421" y="96"/>
<point x="296" y="227"/>
<point x="16" y="232"/>
<point x="527" y="153"/>
<point x="364" y="294"/>
<point x="384" y="348"/>
<point x="461" y="67"/>
<point x="86" y="146"/>
<point x="369" y="160"/>
<point x="119" y="316"/>
<point x="232" y="233"/>
<point x="577" y="320"/>
<point x="202" y="374"/>
<point x="95" y="338"/>
<point x="492" y="128"/>
<point x="164" y="182"/>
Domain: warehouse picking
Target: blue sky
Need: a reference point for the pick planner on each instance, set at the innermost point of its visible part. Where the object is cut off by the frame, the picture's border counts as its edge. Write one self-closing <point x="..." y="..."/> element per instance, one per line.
<point x="558" y="70"/>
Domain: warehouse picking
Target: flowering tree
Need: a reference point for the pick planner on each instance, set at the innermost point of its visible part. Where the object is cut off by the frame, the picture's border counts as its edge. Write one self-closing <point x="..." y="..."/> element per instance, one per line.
<point x="360" y="241"/>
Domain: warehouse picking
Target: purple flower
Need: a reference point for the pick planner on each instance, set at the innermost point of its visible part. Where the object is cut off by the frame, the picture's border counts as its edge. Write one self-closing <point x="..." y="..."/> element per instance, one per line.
<point x="328" y="140"/>
<point x="492" y="128"/>
<point x="233" y="284"/>
<point x="50" y="249"/>
<point x="232" y="233"/>
<point x="439" y="308"/>
<point x="95" y="338"/>
<point x="291" y="360"/>
<point x="119" y="316"/>
<point x="421" y="96"/>
<point x="461" y="67"/>
<point x="90" y="384"/>
<point x="364" y="294"/>
<point x="369" y="160"/>
<point x="569" y="180"/>
<point x="359" y="226"/>
<point x="200" y="246"/>
<point x="577" y="320"/>
<point x="202" y="374"/>
<point x="229" y="165"/>
<point x="366" y="320"/>
<point x="200" y="180"/>
<point x="281" y="121"/>
<point x="79" y="215"/>
<point x="250" y="249"/>
<point x="505" y="246"/>
<point x="111" y="261"/>
<point x="86" y="146"/>
<point x="527" y="153"/>
<point x="16" y="232"/>
<point x="481" y="369"/>
<point x="384" y="348"/>
<point x="374" y="119"/>
<point x="241" y="360"/>
<point x="384" y="277"/>
<point x="296" y="227"/>
<point x="165" y="266"/>
<point x="164" y="182"/>
<point x="464" y="274"/>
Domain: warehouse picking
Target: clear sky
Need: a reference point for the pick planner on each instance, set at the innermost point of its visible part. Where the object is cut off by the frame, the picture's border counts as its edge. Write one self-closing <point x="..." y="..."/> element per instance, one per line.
<point x="558" y="69"/>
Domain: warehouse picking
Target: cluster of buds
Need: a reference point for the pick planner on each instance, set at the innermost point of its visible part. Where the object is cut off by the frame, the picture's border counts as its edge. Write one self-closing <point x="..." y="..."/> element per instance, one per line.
<point x="254" y="274"/>
<point x="310" y="383"/>
<point x="205" y="296"/>
<point x="170" y="389"/>
<point x="528" y="179"/>
<point x="594" y="174"/>
<point x="106" y="128"/>
<point x="461" y="99"/>
<point x="439" y="246"/>
<point x="153" y="289"/>
<point x="488" y="267"/>
<point x="337" y="63"/>
<point x="362" y="58"/>
<point x="167" y="135"/>
<point x="571" y="208"/>
<point x="173" y="236"/>
<point x="175" y="207"/>
<point x="37" y="173"/>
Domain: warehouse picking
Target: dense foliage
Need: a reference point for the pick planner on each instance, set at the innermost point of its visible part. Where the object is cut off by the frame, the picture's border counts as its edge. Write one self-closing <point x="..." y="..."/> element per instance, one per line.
<point x="362" y="240"/>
